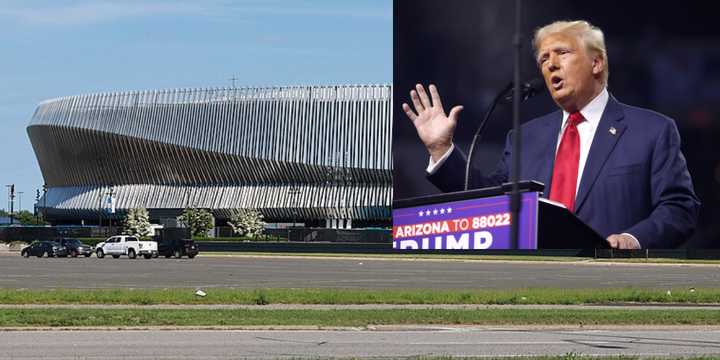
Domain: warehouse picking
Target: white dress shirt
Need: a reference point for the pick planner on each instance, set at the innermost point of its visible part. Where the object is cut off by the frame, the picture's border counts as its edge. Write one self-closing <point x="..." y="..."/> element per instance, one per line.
<point x="592" y="112"/>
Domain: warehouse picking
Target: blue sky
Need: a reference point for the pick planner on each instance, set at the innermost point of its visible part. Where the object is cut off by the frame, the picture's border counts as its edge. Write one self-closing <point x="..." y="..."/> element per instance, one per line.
<point x="57" y="48"/>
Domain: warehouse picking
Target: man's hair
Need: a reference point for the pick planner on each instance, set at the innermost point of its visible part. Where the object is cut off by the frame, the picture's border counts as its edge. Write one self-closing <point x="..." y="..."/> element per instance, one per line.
<point x="590" y="35"/>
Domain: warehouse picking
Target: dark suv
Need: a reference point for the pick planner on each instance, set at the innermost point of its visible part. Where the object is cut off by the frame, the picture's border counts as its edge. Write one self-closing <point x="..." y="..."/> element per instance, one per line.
<point x="75" y="247"/>
<point x="47" y="248"/>
<point x="177" y="248"/>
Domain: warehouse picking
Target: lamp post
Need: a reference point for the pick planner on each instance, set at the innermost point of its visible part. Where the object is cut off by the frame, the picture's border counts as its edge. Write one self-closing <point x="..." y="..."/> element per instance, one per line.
<point x="37" y="202"/>
<point x="44" y="212"/>
<point x="11" y="196"/>
<point x="112" y="204"/>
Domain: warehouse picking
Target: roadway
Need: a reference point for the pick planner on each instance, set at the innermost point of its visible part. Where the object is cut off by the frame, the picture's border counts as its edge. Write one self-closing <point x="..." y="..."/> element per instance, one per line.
<point x="398" y="343"/>
<point x="285" y="272"/>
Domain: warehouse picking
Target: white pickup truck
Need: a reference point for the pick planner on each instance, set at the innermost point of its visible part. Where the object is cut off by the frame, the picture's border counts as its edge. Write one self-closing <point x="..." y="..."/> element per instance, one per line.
<point x="126" y="245"/>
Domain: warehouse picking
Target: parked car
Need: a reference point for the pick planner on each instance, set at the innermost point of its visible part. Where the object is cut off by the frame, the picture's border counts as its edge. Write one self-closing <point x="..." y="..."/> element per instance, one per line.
<point x="75" y="247"/>
<point x="126" y="245"/>
<point x="177" y="248"/>
<point x="47" y="248"/>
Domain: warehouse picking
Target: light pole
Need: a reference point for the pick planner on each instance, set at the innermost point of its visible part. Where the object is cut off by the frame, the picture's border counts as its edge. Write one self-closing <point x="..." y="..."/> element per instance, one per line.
<point x="11" y="196"/>
<point x="37" y="202"/>
<point x="111" y="203"/>
<point x="44" y="212"/>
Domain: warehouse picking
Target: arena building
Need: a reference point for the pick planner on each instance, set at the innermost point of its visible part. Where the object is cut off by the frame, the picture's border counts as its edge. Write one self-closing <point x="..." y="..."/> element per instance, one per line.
<point x="317" y="155"/>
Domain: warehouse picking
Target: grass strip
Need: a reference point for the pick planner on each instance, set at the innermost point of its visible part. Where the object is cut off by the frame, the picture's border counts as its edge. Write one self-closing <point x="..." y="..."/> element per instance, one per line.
<point x="357" y="318"/>
<point x="543" y="296"/>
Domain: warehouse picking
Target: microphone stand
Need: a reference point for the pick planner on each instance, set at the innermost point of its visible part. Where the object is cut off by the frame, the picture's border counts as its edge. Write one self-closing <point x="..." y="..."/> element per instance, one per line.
<point x="476" y="137"/>
<point x="529" y="90"/>
<point x="515" y="173"/>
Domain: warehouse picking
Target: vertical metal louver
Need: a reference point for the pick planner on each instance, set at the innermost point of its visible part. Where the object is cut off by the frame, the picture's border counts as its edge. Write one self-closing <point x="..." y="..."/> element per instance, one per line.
<point x="305" y="152"/>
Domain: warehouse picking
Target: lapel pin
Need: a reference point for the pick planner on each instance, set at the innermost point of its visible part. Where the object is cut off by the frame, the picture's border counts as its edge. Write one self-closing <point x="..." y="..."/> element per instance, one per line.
<point x="613" y="131"/>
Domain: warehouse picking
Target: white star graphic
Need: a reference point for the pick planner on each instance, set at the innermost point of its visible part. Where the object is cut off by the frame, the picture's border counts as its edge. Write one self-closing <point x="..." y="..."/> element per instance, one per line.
<point x="449" y="210"/>
<point x="434" y="211"/>
<point x="427" y="213"/>
<point x="442" y="211"/>
<point x="420" y="213"/>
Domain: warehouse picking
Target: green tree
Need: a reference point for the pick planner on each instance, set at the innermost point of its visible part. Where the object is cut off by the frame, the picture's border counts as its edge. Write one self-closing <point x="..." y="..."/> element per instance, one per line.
<point x="200" y="221"/>
<point x="137" y="222"/>
<point x="25" y="217"/>
<point x="247" y="222"/>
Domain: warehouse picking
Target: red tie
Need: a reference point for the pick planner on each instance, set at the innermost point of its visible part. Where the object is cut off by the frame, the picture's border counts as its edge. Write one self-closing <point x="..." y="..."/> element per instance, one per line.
<point x="567" y="160"/>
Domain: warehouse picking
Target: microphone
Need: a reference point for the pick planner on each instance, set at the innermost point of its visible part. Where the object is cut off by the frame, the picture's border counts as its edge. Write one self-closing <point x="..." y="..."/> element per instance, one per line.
<point x="527" y="90"/>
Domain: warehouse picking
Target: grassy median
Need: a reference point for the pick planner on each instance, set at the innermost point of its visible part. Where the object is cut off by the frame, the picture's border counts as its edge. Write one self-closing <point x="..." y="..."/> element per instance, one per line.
<point x="355" y="318"/>
<point x="350" y="296"/>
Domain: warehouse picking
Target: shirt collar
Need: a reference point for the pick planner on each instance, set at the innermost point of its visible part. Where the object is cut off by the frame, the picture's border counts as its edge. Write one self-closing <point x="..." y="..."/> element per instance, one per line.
<point x="592" y="112"/>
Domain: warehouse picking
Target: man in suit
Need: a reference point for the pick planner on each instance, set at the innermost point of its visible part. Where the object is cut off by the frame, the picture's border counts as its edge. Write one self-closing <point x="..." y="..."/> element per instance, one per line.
<point x="619" y="168"/>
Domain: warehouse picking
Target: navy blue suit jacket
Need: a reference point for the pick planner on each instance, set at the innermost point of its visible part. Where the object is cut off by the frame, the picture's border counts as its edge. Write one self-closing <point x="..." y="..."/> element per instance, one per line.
<point x="635" y="180"/>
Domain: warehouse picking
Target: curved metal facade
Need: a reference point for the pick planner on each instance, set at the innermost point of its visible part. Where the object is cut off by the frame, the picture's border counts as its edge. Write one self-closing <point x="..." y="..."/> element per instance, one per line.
<point x="290" y="152"/>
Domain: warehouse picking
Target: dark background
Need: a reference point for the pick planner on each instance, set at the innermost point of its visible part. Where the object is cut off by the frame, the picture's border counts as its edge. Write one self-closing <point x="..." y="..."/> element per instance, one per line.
<point x="662" y="57"/>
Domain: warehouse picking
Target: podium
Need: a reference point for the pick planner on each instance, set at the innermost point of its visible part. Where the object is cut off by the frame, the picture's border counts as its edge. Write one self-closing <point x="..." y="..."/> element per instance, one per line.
<point x="480" y="220"/>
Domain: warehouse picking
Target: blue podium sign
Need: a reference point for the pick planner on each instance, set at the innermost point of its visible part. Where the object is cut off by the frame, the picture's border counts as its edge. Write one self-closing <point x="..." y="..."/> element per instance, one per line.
<point x="475" y="224"/>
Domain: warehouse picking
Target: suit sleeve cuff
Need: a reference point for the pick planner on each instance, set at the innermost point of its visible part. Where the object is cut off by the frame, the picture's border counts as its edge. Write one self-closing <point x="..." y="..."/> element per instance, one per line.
<point x="434" y="166"/>
<point x="639" y="246"/>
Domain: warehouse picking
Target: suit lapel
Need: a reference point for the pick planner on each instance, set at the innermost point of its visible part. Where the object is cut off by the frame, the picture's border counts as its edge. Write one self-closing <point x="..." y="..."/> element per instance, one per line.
<point x="552" y="128"/>
<point x="607" y="134"/>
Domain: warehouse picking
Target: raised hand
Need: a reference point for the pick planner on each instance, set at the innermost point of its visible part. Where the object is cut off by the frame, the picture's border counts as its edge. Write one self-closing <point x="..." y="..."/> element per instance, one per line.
<point x="434" y="128"/>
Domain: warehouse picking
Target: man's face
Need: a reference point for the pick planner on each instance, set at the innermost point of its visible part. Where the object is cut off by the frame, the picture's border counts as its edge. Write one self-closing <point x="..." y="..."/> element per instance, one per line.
<point x="571" y="74"/>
